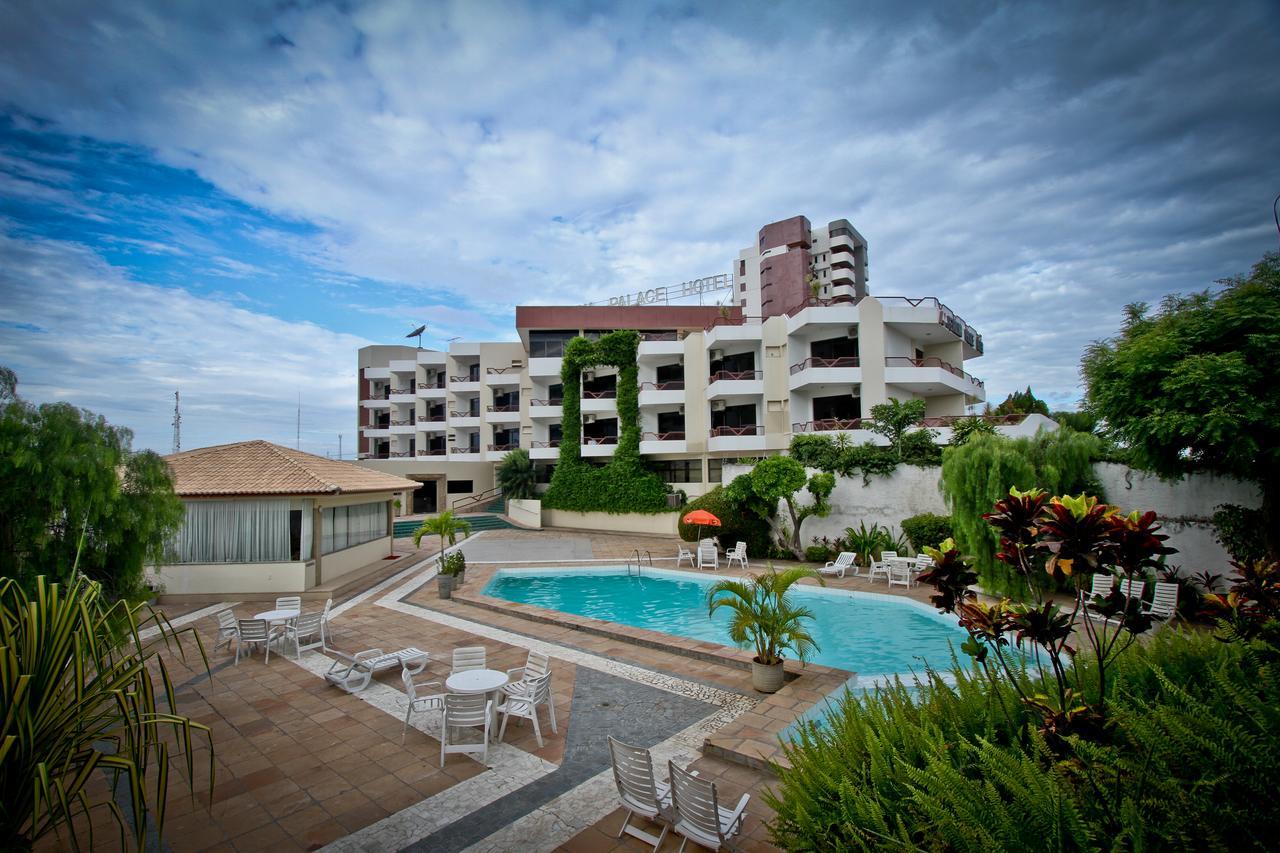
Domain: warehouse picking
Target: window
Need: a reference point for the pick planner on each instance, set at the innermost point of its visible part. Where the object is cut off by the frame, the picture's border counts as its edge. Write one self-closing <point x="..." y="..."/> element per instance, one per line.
<point x="348" y="526"/>
<point x="679" y="470"/>
<point x="715" y="470"/>
<point x="549" y="344"/>
<point x="458" y="487"/>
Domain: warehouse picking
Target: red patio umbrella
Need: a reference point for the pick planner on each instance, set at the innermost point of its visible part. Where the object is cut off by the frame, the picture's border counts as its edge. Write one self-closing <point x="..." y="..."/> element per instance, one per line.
<point x="701" y="517"/>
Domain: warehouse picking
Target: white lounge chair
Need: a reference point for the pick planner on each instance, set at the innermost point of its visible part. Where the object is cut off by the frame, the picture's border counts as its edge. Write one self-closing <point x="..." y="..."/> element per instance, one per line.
<point x="418" y="704"/>
<point x="843" y="562"/>
<point x="522" y="700"/>
<point x="252" y="632"/>
<point x="1164" y="601"/>
<point x="1132" y="589"/>
<point x="640" y="792"/>
<point x="310" y="626"/>
<point x="353" y="674"/>
<point x="737" y="555"/>
<point x="465" y="710"/>
<point x="1100" y="586"/>
<point x="227" y="627"/>
<point x="468" y="657"/>
<point x="881" y="566"/>
<point x="682" y="554"/>
<point x="698" y="816"/>
<point x="708" y="556"/>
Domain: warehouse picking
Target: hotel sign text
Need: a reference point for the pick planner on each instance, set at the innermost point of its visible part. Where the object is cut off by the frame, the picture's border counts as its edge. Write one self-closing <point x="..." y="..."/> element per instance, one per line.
<point x="663" y="295"/>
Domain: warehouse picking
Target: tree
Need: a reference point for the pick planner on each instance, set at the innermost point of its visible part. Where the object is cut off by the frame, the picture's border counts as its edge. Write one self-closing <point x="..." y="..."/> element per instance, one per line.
<point x="778" y="478"/>
<point x="446" y="525"/>
<point x="1194" y="385"/>
<point x="516" y="476"/>
<point x="1022" y="403"/>
<point x="72" y="489"/>
<point x="966" y="428"/>
<point x="894" y="421"/>
<point x="764" y="615"/>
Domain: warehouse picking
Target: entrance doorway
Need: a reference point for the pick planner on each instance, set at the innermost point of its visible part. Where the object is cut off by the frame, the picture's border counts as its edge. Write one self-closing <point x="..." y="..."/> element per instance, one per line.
<point x="424" y="499"/>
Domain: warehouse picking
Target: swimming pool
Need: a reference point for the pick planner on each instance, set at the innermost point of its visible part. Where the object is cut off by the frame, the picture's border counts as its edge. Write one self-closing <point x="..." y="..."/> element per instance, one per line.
<point x="872" y="634"/>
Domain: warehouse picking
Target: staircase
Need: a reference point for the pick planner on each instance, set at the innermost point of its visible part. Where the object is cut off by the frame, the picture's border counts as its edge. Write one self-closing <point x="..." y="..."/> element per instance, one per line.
<point x="490" y="519"/>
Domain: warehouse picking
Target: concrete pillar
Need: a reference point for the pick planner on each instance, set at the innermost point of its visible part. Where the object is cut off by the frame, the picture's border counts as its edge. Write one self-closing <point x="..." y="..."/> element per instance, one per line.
<point x="391" y="527"/>
<point x="317" y="529"/>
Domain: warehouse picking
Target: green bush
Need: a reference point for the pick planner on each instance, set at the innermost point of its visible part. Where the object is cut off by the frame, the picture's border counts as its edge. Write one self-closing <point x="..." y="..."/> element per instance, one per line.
<point x="918" y="448"/>
<point x="1193" y="747"/>
<point x="735" y="523"/>
<point x="817" y="553"/>
<point x="1240" y="531"/>
<point x="582" y="487"/>
<point x="926" y="530"/>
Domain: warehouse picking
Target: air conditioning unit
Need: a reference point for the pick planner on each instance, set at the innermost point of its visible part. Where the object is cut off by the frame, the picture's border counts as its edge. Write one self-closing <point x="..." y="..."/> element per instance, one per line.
<point x="718" y="405"/>
<point x="853" y="331"/>
<point x="717" y="355"/>
<point x="680" y="410"/>
<point x="588" y="375"/>
<point x="588" y="419"/>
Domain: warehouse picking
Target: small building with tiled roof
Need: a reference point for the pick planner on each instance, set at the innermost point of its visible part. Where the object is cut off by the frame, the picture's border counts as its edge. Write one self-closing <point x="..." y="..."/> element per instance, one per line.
<point x="261" y="518"/>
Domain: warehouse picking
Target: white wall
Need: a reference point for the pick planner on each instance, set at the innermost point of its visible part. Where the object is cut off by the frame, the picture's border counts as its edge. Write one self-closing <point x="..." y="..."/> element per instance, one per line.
<point x="649" y="524"/>
<point x="223" y="578"/>
<point x="526" y="513"/>
<point x="339" y="563"/>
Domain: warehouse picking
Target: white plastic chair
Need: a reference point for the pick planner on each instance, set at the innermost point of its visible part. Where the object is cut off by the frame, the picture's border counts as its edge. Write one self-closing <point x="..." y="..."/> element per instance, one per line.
<point x="289" y="602"/>
<point x="881" y="566"/>
<point x="418" y="704"/>
<point x="251" y="632"/>
<point x="535" y="666"/>
<point x="1132" y="589"/>
<point x="328" y="612"/>
<point x="1164" y="601"/>
<point x="465" y="710"/>
<point x="1101" y="585"/>
<point x="641" y="794"/>
<point x="226" y="629"/>
<point x="682" y="554"/>
<point x="468" y="658"/>
<point x="309" y="625"/>
<point x="900" y="572"/>
<point x="708" y="556"/>
<point x="523" y="702"/>
<point x="698" y="816"/>
<point x="737" y="555"/>
<point x="843" y="562"/>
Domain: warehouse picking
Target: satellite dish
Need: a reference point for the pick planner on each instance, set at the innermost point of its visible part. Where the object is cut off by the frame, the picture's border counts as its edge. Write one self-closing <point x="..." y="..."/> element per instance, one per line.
<point x="417" y="333"/>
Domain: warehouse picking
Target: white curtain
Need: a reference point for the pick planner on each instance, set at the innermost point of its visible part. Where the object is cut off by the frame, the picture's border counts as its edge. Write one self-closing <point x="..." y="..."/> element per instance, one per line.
<point x="304" y="550"/>
<point x="347" y="526"/>
<point x="234" y="532"/>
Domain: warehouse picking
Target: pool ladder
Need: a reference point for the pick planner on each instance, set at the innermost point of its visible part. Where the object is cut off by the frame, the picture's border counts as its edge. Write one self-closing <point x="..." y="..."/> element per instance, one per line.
<point x="639" y="563"/>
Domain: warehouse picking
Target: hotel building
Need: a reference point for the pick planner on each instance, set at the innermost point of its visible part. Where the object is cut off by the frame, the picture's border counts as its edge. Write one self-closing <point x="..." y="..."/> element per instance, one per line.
<point x="801" y="346"/>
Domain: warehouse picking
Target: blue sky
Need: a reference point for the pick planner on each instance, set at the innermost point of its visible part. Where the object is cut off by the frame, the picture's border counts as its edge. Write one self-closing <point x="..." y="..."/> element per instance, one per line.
<point x="231" y="198"/>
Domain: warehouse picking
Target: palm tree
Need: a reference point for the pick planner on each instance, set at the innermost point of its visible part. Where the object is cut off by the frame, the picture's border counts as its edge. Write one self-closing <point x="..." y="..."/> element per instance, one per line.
<point x="516" y="476"/>
<point x="764" y="615"/>
<point x="446" y="525"/>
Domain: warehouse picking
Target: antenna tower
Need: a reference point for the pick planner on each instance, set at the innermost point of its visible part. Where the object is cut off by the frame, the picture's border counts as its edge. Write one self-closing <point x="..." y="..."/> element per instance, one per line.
<point x="177" y="424"/>
<point x="298" y="437"/>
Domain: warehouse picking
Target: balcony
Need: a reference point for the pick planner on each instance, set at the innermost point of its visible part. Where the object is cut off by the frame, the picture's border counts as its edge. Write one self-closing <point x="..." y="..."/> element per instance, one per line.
<point x="826" y="371"/>
<point x="509" y="413"/>
<point x="663" y="442"/>
<point x="544" y="409"/>
<point x="931" y="377"/>
<point x="380" y="402"/>
<point x="927" y="319"/>
<point x="432" y="424"/>
<point x="403" y="395"/>
<point x="599" y="446"/>
<point x="431" y="391"/>
<point x="376" y="430"/>
<point x="662" y="393"/>
<point x="545" y="449"/>
<point x="545" y="366"/>
<point x="728" y="329"/>
<point x="735" y="383"/>
<point x="465" y="453"/>
<point x="736" y="438"/>
<point x="659" y="345"/>
<point x="403" y="427"/>
<point x="465" y="418"/>
<point x="498" y="452"/>
<point x="503" y="375"/>
<point x="403" y="366"/>
<point x="599" y="401"/>
<point x="837" y="311"/>
<point x="436" y="451"/>
<point x="464" y="384"/>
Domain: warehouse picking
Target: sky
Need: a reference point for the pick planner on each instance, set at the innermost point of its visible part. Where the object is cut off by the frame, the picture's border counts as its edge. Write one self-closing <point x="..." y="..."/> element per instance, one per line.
<point x="229" y="199"/>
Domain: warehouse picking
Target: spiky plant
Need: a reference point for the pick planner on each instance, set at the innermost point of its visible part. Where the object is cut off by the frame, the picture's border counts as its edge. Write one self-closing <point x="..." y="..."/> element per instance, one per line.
<point x="446" y="525"/>
<point x="764" y="615"/>
<point x="78" y="681"/>
<point x="516" y="476"/>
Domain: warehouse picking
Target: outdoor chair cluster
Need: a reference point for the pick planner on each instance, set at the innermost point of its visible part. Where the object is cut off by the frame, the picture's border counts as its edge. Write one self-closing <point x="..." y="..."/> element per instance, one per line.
<point x="898" y="571"/>
<point x="1164" y="595"/>
<point x="303" y="630"/>
<point x="708" y="556"/>
<point x="689" y="805"/>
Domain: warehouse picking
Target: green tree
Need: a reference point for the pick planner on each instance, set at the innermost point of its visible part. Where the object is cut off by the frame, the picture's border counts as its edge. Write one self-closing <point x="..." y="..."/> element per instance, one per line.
<point x="779" y="478"/>
<point x="894" y="421"/>
<point x="1022" y="403"/>
<point x="1193" y="386"/>
<point x="446" y="525"/>
<point x="71" y="488"/>
<point x="516" y="476"/>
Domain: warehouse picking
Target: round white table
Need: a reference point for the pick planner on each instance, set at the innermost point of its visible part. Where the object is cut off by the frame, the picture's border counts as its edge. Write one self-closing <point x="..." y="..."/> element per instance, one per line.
<point x="486" y="681"/>
<point x="278" y="615"/>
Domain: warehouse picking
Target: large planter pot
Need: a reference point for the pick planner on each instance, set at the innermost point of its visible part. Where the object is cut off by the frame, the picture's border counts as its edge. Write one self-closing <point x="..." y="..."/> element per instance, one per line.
<point x="766" y="677"/>
<point x="459" y="578"/>
<point x="444" y="583"/>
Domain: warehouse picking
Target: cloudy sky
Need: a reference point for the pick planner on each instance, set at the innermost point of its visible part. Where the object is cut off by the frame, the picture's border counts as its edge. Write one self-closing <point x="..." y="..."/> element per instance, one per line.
<point x="230" y="198"/>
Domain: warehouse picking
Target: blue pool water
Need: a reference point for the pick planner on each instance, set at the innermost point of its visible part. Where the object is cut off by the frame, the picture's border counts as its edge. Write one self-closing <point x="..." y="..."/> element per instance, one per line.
<point x="867" y="633"/>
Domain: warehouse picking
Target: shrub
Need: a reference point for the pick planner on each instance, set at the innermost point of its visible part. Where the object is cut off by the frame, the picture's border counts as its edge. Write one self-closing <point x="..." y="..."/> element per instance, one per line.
<point x="1240" y="531"/>
<point x="454" y="564"/>
<point x="815" y="451"/>
<point x="966" y="428"/>
<point x="926" y="530"/>
<point x="735" y="524"/>
<point x="515" y="475"/>
<point x="918" y="448"/>
<point x="817" y="553"/>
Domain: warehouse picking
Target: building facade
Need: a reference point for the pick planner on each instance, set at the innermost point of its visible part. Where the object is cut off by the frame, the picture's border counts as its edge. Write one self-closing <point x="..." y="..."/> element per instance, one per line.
<point x="801" y="346"/>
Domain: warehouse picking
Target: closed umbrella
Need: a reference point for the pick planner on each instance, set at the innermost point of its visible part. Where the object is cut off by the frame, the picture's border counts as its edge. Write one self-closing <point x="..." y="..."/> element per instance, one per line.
<point x="701" y="517"/>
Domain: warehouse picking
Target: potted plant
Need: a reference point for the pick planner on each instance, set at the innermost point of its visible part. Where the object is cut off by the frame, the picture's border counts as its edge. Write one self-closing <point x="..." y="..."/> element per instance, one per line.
<point x="446" y="525"/>
<point x="765" y="617"/>
<point x="451" y="568"/>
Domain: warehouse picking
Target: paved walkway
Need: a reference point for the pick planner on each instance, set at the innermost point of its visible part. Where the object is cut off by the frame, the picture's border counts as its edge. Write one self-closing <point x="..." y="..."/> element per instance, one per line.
<point x="300" y="765"/>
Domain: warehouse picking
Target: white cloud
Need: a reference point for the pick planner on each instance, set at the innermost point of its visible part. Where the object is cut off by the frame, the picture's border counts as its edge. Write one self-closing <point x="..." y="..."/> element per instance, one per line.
<point x="120" y="349"/>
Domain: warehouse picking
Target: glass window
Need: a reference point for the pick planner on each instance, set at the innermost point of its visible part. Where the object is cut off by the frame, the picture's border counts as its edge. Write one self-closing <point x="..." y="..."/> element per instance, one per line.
<point x="458" y="487"/>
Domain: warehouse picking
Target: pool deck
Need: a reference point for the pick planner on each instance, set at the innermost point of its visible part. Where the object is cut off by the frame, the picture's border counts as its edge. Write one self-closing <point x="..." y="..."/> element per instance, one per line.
<point x="300" y="765"/>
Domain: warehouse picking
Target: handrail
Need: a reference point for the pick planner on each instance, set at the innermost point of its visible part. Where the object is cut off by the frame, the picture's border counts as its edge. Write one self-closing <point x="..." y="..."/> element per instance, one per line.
<point x="385" y="395"/>
<point x="659" y="336"/>
<point x="398" y="454"/>
<point x="467" y="450"/>
<point x="375" y="426"/>
<point x="731" y="321"/>
<point x="609" y="394"/>
<point x="554" y="401"/>
<point x="841" y="361"/>
<point x="439" y="451"/>
<point x="515" y="367"/>
<point x="815" y="302"/>
<point x="553" y="443"/>
<point x="403" y="422"/>
<point x="930" y="361"/>
<point x="670" y="385"/>
<point x="750" y="429"/>
<point x="510" y="407"/>
<point x="487" y="496"/>
<point x="463" y="379"/>
<point x="734" y="375"/>
<point x="662" y="436"/>
<point x="466" y="414"/>
<point x="497" y="447"/>
<point x="600" y="439"/>
<point x="950" y="420"/>
<point x="427" y="386"/>
<point x="827" y="424"/>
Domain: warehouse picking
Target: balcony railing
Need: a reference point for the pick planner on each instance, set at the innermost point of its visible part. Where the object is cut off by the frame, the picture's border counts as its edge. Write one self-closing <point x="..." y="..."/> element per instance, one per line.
<point x="437" y="451"/>
<point x="732" y="321"/>
<point x="408" y="390"/>
<point x="749" y="429"/>
<point x="815" y="302"/>
<point x="431" y="419"/>
<point x="735" y="375"/>
<point x="554" y="401"/>
<point x="509" y="407"/>
<point x="607" y="394"/>
<point x="467" y="414"/>
<point x="465" y="450"/>
<point x="403" y="422"/>
<point x="947" y="318"/>
<point x="497" y="447"/>
<point x="950" y="420"/>
<point x="842" y="361"/>
<point x="515" y="368"/>
<point x="464" y="378"/>
<point x="673" y="385"/>
<point x="600" y="439"/>
<point x="827" y="424"/>
<point x="384" y="394"/>
<point x="555" y="442"/>
<point x="427" y="386"/>
<point x="659" y="336"/>
<point x="662" y="436"/>
<point x="931" y="361"/>
<point x="376" y="426"/>
<point x="398" y="454"/>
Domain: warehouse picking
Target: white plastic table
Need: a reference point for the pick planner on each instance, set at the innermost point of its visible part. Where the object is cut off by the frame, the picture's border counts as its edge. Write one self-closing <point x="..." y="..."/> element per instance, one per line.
<point x="486" y="681"/>
<point x="279" y="615"/>
<point x="909" y="563"/>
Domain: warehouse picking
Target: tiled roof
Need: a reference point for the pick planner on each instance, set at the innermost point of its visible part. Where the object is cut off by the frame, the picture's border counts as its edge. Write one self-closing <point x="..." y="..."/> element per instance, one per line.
<point x="263" y="468"/>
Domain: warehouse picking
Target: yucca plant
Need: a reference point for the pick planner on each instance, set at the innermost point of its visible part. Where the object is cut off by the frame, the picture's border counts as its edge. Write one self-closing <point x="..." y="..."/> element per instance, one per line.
<point x="764" y="616"/>
<point x="80" y="698"/>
